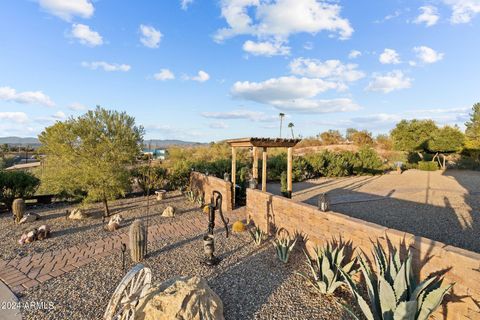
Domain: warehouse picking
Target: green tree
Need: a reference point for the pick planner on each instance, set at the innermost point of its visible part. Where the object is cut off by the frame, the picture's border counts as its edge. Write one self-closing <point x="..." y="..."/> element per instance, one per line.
<point x="331" y="137"/>
<point x="472" y="131"/>
<point x="91" y="154"/>
<point x="361" y="138"/>
<point x="384" y="141"/>
<point x="445" y="140"/>
<point x="413" y="135"/>
<point x="16" y="184"/>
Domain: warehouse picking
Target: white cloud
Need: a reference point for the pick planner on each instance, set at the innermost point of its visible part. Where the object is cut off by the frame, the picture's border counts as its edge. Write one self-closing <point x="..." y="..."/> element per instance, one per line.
<point x="85" y="35"/>
<point x="293" y="94"/>
<point x="59" y="115"/>
<point x="164" y="75"/>
<point x="266" y="48"/>
<point x="317" y="106"/>
<point x="17" y="117"/>
<point x="429" y="16"/>
<point x="109" y="67"/>
<point x="67" y="9"/>
<point x="389" y="82"/>
<point x="463" y="11"/>
<point x="185" y="3"/>
<point x="391" y="16"/>
<point x="150" y="36"/>
<point x="279" y="19"/>
<point x="241" y="114"/>
<point x="218" y="125"/>
<point x="280" y="89"/>
<point x="308" y="45"/>
<point x="27" y="97"/>
<point x="427" y="55"/>
<point x="202" y="76"/>
<point x="76" y="106"/>
<point x="389" y="56"/>
<point x="354" y="54"/>
<point x="329" y="69"/>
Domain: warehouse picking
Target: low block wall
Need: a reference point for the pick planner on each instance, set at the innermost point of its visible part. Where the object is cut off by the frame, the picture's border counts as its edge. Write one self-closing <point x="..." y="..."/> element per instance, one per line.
<point x="461" y="266"/>
<point x="207" y="184"/>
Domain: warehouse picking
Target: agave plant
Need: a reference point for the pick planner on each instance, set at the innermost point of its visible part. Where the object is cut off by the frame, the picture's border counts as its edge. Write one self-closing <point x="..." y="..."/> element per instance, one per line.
<point x="284" y="245"/>
<point x="190" y="196"/>
<point x="393" y="291"/>
<point x="325" y="274"/>
<point x="257" y="234"/>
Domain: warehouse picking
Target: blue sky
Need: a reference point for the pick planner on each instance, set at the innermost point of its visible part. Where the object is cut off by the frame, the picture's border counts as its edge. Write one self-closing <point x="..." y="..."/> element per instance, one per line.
<point x="209" y="70"/>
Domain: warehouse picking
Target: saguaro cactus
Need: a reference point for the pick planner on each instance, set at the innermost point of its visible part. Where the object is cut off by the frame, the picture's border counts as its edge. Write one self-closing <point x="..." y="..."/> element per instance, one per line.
<point x="138" y="241"/>
<point x="18" y="208"/>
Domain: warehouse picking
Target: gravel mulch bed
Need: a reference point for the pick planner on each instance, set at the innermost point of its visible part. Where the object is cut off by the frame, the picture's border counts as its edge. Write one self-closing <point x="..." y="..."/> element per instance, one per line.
<point x="250" y="280"/>
<point x="68" y="233"/>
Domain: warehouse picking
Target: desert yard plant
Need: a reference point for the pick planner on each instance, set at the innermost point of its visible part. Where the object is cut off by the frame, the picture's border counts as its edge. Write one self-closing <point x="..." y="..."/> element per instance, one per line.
<point x="325" y="275"/>
<point x="150" y="177"/>
<point x="392" y="289"/>
<point x="16" y="184"/>
<point x="257" y="235"/>
<point x="427" y="165"/>
<point x="91" y="153"/>
<point x="284" y="245"/>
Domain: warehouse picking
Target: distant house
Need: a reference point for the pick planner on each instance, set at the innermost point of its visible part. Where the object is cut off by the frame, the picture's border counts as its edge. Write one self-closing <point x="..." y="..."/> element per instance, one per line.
<point x="156" y="154"/>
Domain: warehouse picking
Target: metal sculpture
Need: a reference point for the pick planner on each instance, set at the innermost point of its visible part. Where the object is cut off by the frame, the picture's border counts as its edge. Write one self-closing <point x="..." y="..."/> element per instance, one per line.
<point x="208" y="239"/>
<point x="128" y="293"/>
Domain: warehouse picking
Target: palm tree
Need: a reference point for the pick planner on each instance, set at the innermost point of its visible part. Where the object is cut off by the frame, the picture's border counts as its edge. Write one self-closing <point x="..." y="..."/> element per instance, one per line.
<point x="291" y="125"/>
<point x="281" y="115"/>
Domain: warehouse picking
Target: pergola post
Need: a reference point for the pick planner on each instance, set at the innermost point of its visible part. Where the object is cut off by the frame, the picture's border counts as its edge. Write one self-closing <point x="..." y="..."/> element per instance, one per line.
<point x="289" y="171"/>
<point x="255" y="164"/>
<point x="234" y="174"/>
<point x="264" y="170"/>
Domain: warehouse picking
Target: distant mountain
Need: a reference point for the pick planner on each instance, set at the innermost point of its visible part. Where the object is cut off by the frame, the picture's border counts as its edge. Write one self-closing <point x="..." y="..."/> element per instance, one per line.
<point x="157" y="143"/>
<point x="20" y="141"/>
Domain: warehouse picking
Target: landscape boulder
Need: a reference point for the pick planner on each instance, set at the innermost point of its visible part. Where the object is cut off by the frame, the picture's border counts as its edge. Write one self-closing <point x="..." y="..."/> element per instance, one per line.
<point x="29" y="217"/>
<point x="77" y="214"/>
<point x="169" y="212"/>
<point x="114" y="223"/>
<point x="186" y="298"/>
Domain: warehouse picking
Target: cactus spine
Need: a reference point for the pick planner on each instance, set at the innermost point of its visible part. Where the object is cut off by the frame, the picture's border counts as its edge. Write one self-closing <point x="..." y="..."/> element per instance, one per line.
<point x="18" y="208"/>
<point x="138" y="241"/>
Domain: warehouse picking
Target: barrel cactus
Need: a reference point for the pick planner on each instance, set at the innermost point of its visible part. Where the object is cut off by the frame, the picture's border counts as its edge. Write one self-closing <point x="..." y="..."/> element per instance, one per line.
<point x="393" y="290"/>
<point x="138" y="241"/>
<point x="18" y="208"/>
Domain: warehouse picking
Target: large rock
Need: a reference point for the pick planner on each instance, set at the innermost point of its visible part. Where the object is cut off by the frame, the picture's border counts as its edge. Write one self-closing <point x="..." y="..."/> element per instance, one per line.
<point x="169" y="212"/>
<point x="29" y="217"/>
<point x="186" y="298"/>
<point x="77" y="214"/>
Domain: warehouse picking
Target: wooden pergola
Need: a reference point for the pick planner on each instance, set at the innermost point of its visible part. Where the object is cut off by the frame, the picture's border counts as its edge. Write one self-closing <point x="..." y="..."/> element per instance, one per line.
<point x="263" y="143"/>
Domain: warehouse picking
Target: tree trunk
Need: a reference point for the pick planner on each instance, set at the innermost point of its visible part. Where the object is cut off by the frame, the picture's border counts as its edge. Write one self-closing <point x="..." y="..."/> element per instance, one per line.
<point x="106" y="211"/>
<point x="420" y="155"/>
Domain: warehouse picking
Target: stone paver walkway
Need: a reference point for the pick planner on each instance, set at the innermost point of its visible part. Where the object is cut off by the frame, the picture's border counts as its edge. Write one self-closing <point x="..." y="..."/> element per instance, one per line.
<point x="27" y="272"/>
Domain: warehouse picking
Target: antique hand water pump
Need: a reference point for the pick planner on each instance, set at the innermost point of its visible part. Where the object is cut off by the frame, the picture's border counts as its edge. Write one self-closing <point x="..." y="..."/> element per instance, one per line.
<point x="208" y="239"/>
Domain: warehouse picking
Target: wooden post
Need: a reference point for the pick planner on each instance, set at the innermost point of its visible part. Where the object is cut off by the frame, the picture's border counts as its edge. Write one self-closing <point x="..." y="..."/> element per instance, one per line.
<point x="289" y="171"/>
<point x="234" y="174"/>
<point x="264" y="170"/>
<point x="255" y="164"/>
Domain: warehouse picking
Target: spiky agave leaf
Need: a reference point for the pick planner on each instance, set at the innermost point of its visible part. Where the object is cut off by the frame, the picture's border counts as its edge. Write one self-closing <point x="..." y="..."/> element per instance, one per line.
<point x="432" y="301"/>
<point x="386" y="295"/>
<point x="364" y="307"/>
<point x="406" y="310"/>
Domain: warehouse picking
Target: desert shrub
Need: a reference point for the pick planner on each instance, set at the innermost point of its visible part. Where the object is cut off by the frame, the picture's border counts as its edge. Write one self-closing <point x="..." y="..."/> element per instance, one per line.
<point x="150" y="177"/>
<point x="276" y="165"/>
<point x="427" y="166"/>
<point x="318" y="162"/>
<point x="178" y="175"/>
<point x="340" y="164"/>
<point x="301" y="169"/>
<point x="368" y="161"/>
<point x="16" y="184"/>
<point x="468" y="163"/>
<point x="283" y="183"/>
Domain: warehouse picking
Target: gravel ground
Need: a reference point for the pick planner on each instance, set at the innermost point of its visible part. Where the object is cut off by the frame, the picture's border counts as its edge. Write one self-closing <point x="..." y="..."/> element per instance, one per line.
<point x="67" y="233"/>
<point x="250" y="280"/>
<point x="442" y="206"/>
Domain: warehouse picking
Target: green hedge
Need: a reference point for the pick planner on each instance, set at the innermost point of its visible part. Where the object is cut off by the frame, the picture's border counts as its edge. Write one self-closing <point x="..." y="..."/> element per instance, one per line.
<point x="427" y="166"/>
